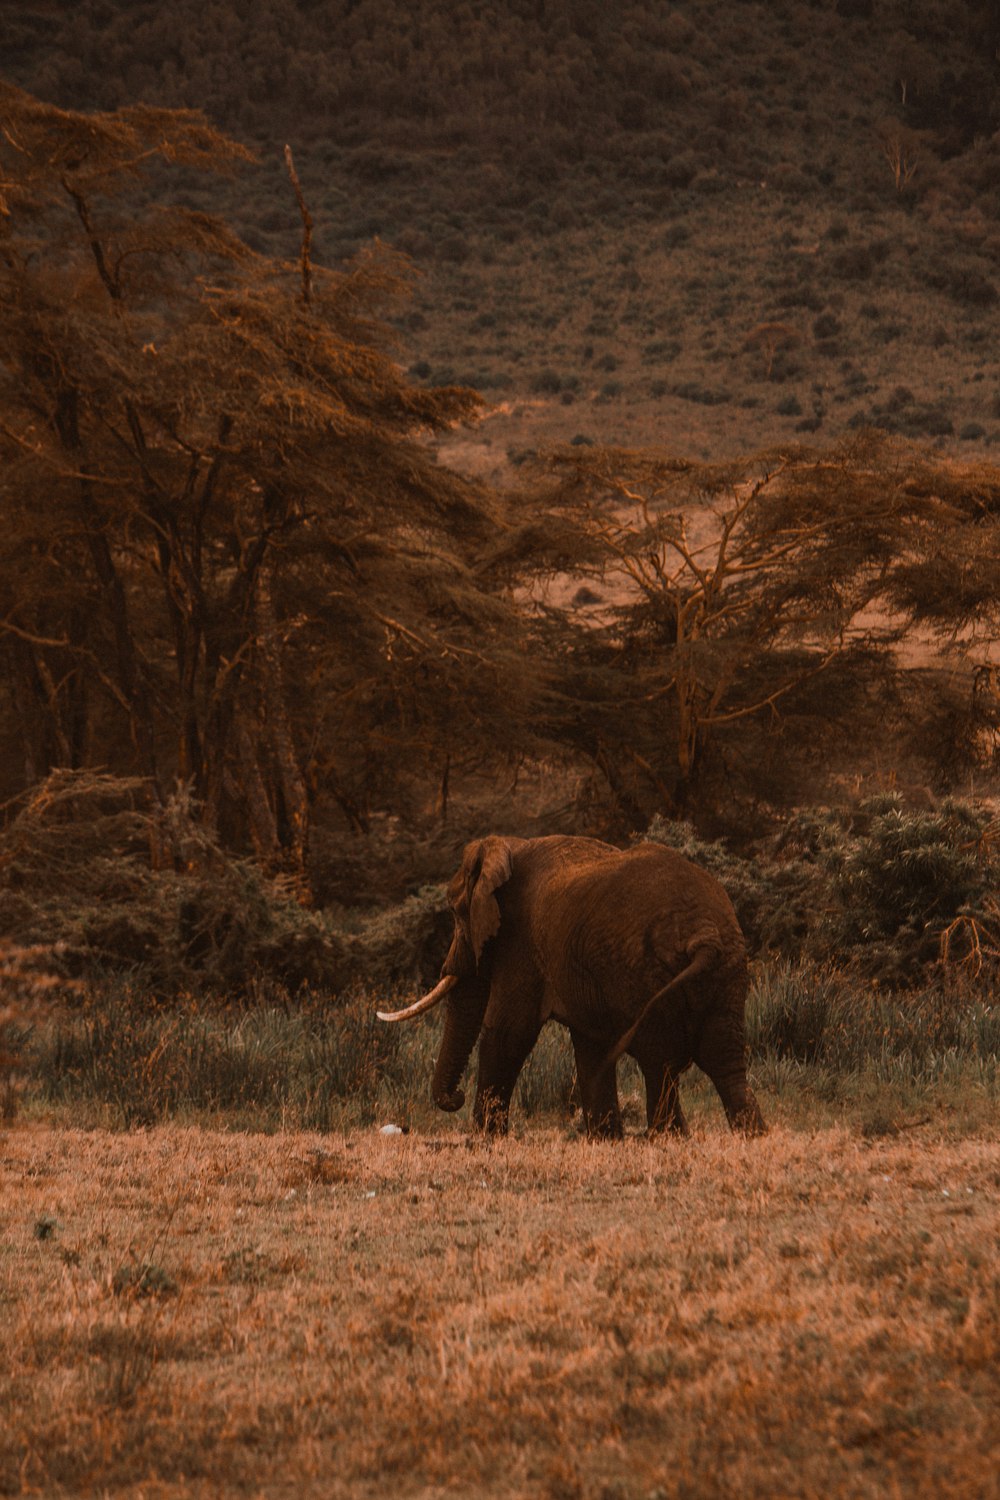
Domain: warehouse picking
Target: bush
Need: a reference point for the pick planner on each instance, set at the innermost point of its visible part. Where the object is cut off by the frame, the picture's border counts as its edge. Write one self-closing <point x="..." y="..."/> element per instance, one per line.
<point x="859" y="262"/>
<point x="690" y="390"/>
<point x="546" y="382"/>
<point x="904" y="414"/>
<point x="885" y="891"/>
<point x="666" y="350"/>
<point x="964" y="283"/>
<point x="906" y="878"/>
<point x="77" y="874"/>
<point x="773" y="898"/>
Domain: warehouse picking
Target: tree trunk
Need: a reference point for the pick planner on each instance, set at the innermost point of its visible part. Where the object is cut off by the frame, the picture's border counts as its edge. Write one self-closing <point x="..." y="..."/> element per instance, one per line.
<point x="294" y="792"/>
<point x="263" y="827"/>
<point x="130" y="683"/>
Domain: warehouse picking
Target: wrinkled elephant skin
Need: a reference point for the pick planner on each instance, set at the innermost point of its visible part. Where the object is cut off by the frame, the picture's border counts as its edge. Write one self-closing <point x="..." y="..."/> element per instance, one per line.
<point x="635" y="951"/>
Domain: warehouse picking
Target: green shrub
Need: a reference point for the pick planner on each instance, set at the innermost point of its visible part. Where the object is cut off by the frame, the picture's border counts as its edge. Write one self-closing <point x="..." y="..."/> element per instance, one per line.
<point x="665" y="350"/>
<point x="963" y="282"/>
<point x="905" y="877"/>
<point x="773" y="897"/>
<point x="884" y="891"/>
<point x="546" y="382"/>
<point x="858" y="262"/>
<point x="76" y="876"/>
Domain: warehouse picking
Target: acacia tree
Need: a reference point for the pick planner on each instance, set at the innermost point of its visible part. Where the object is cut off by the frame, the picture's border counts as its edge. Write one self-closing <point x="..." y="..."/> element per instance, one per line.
<point x="738" y="593"/>
<point x="229" y="550"/>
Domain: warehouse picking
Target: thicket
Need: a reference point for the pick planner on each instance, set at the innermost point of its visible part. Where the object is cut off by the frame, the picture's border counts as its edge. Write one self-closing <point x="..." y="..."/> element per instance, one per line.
<point x="231" y="562"/>
<point x="882" y="892"/>
<point x="234" y="571"/>
<point x="875" y="937"/>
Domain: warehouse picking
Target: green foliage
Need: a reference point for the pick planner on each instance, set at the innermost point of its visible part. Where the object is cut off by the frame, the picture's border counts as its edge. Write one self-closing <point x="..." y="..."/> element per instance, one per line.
<point x="818" y="1017"/>
<point x="401" y="942"/>
<point x="266" y="1061"/>
<point x="750" y="601"/>
<point x="76" y="872"/>
<point x="775" y="897"/>
<point x="76" y="876"/>
<point x="907" y="876"/>
<point x="230" y="559"/>
<point x="307" y="1062"/>
<point x="886" y="891"/>
<point x="313" y="1064"/>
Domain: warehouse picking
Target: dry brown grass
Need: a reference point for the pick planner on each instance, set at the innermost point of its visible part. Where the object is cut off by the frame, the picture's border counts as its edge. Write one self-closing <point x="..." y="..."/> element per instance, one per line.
<point x="185" y="1311"/>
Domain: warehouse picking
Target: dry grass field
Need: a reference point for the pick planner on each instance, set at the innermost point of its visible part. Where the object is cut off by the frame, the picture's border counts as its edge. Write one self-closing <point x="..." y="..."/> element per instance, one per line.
<point x="186" y="1311"/>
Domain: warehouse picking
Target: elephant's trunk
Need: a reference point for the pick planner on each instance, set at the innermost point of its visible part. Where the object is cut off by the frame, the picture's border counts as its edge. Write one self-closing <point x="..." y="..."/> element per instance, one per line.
<point x="463" y="1018"/>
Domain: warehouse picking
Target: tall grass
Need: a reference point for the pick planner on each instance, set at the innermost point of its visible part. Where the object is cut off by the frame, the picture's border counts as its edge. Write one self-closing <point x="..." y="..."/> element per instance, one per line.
<point x="274" y="1062"/>
<point x="829" y="1020"/>
<point x="322" y="1064"/>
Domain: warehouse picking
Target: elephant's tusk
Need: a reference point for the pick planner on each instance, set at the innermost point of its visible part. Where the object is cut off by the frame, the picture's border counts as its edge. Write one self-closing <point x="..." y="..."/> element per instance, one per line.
<point x="426" y="1002"/>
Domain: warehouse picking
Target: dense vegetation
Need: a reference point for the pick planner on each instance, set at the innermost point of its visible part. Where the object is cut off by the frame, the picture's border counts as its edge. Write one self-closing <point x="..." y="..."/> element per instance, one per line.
<point x="237" y="576"/>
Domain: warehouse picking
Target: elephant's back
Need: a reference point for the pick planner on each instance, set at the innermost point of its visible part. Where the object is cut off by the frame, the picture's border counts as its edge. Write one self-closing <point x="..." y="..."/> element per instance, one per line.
<point x="654" y="879"/>
<point x="627" y="921"/>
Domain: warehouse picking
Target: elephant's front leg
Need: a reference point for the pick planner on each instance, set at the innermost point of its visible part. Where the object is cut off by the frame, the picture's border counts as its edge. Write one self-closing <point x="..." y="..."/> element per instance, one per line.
<point x="598" y="1088"/>
<point x="503" y="1048"/>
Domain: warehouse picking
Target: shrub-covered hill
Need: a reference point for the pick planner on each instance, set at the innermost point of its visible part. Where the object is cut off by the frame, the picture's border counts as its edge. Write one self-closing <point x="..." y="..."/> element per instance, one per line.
<point x="710" y="223"/>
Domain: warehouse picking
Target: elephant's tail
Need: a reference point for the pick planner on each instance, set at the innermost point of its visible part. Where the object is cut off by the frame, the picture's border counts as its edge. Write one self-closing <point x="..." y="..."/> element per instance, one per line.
<point x="705" y="957"/>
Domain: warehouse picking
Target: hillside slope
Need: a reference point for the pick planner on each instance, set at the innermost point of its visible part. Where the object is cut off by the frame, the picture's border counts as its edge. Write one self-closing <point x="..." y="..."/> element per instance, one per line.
<point x="711" y="225"/>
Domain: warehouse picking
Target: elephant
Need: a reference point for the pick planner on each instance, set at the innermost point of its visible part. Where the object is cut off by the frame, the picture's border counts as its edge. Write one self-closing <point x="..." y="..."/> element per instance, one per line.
<point x="635" y="951"/>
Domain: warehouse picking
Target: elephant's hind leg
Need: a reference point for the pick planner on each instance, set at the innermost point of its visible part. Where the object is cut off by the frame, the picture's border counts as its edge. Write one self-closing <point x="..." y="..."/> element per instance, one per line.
<point x="598" y="1088"/>
<point x="663" y="1105"/>
<point x="721" y="1054"/>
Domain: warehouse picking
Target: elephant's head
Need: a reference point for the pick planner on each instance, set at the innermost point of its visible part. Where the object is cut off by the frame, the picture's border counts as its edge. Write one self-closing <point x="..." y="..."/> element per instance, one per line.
<point x="486" y="864"/>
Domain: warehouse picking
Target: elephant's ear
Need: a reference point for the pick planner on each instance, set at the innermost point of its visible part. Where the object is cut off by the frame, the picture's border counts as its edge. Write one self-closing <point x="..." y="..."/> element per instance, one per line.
<point x="489" y="864"/>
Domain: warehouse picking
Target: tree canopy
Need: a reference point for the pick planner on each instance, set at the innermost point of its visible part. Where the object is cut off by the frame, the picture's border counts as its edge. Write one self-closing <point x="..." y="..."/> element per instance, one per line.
<point x="230" y="554"/>
<point x="758" y="602"/>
